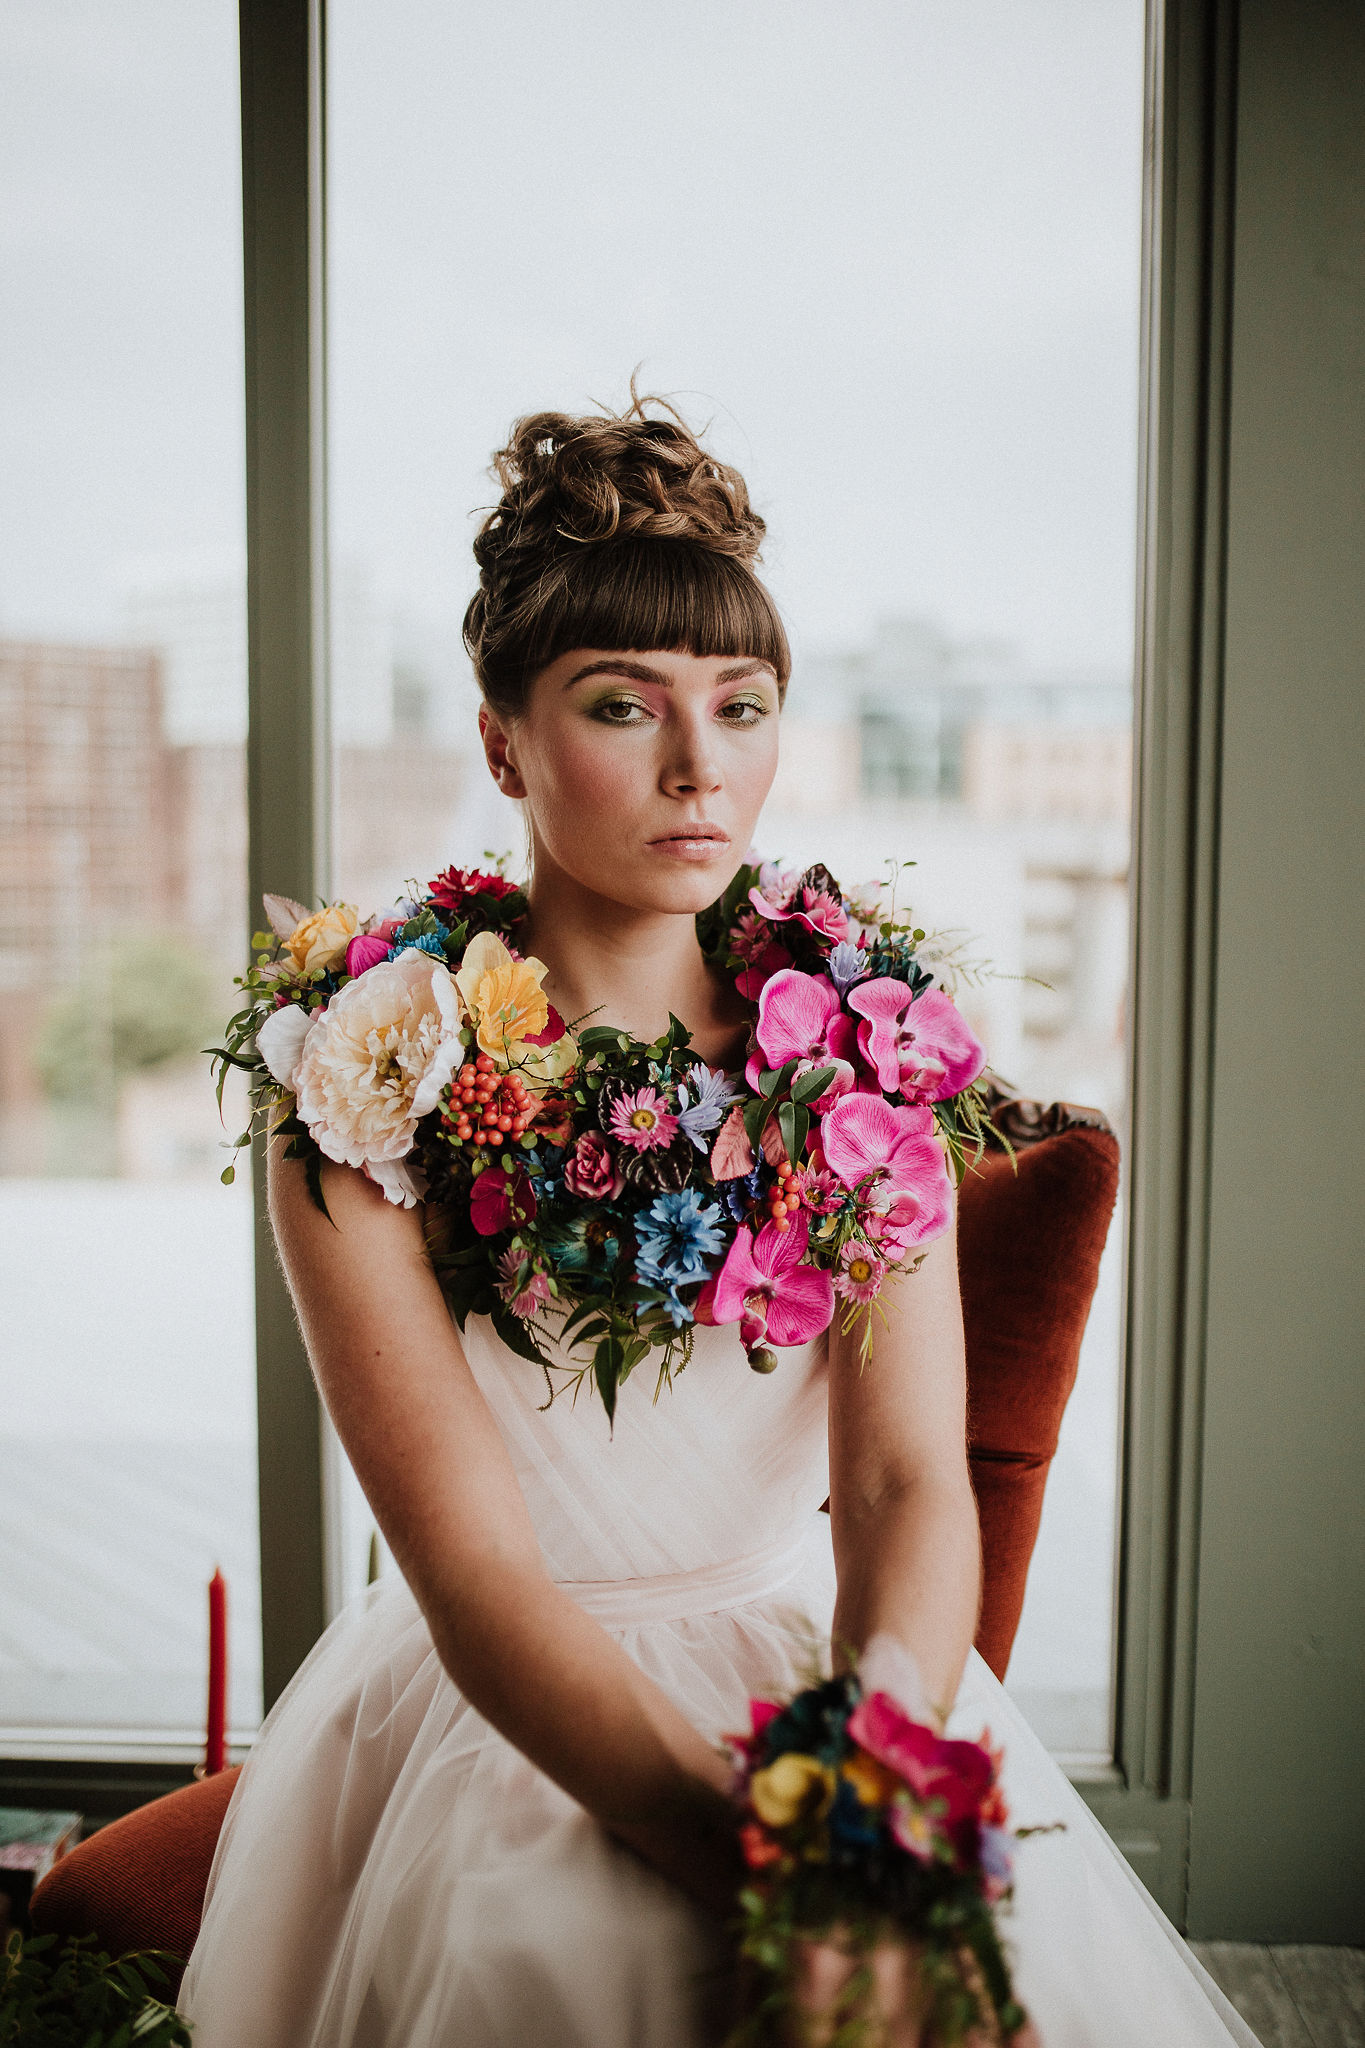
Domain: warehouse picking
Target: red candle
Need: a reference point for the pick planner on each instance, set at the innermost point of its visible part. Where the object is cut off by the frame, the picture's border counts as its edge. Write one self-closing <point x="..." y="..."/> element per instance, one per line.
<point x="215" y="1748"/>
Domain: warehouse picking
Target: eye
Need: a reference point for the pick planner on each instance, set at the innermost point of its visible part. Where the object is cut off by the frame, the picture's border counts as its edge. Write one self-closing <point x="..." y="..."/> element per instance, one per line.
<point x="743" y="711"/>
<point x="620" y="711"/>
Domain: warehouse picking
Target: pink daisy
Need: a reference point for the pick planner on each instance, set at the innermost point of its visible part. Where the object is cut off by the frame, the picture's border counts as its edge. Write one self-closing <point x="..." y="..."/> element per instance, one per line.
<point x="860" y="1273"/>
<point x="643" y="1120"/>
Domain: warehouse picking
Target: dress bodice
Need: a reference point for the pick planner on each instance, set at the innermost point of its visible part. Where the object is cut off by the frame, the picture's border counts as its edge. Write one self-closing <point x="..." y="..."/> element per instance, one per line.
<point x="725" y="1464"/>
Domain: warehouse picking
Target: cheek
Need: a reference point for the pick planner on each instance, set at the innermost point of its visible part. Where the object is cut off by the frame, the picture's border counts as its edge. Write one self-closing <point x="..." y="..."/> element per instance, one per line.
<point x="585" y="770"/>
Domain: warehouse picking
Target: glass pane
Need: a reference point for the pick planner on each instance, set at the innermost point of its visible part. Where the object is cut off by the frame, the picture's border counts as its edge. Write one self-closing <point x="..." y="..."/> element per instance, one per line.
<point x="127" y="1424"/>
<point x="891" y="253"/>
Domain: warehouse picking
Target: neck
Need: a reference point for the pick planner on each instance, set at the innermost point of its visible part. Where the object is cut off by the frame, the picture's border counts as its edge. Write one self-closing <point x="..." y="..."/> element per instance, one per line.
<point x="626" y="965"/>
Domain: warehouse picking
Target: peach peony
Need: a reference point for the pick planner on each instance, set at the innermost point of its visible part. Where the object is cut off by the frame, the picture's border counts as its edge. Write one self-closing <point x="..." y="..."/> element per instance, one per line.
<point x="321" y="940"/>
<point x="503" y="996"/>
<point x="376" y="1061"/>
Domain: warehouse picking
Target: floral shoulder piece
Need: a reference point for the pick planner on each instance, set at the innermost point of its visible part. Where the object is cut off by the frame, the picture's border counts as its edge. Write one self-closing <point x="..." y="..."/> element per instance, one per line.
<point x="584" y="1186"/>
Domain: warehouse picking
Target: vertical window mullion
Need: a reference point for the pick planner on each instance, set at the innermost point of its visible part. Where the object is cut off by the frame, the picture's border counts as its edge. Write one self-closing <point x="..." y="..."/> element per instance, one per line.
<point x="287" y="754"/>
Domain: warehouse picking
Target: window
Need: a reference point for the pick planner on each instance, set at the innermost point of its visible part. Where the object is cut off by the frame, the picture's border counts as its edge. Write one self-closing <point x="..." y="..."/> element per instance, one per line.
<point x="127" y="1426"/>
<point x="893" y="255"/>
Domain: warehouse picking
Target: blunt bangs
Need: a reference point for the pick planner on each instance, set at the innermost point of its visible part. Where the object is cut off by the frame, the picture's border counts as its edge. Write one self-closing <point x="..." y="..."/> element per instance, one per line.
<point x="647" y="595"/>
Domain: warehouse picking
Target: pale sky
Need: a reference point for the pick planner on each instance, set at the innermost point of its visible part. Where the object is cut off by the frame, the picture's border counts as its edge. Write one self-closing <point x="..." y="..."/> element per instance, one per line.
<point x="889" y="246"/>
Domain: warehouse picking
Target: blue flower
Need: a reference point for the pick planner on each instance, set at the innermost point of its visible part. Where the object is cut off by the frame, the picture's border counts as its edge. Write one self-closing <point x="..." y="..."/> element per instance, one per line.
<point x="584" y="1244"/>
<point x="852" y="1823"/>
<point x="847" y="964"/>
<point x="674" y="1307"/>
<point x="677" y="1234"/>
<point x="428" y="943"/>
<point x="701" y="1100"/>
<point x="740" y="1195"/>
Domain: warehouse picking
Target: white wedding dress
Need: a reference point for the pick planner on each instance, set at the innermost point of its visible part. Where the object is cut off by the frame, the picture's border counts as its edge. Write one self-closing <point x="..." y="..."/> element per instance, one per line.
<point x="393" y="1874"/>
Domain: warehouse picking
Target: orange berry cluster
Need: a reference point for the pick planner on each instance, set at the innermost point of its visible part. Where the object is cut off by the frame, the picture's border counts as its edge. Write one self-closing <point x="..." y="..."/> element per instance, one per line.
<point x="488" y="1108"/>
<point x="784" y="1196"/>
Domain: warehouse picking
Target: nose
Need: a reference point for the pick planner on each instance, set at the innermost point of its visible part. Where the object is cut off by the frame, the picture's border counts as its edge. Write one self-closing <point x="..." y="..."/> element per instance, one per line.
<point x="692" y="765"/>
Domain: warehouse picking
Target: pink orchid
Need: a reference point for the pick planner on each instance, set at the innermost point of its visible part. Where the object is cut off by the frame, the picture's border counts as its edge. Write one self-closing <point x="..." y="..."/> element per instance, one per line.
<point x="763" y="1282"/>
<point x="890" y="1155"/>
<point x="920" y="1046"/>
<point x="800" y="1017"/>
<point x="817" y="910"/>
<point x="933" y="1766"/>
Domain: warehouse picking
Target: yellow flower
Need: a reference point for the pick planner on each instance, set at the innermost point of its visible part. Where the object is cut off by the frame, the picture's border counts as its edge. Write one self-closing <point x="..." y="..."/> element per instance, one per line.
<point x="872" y="1781"/>
<point x="321" y="940"/>
<point x="503" y="996"/>
<point x="795" y="1787"/>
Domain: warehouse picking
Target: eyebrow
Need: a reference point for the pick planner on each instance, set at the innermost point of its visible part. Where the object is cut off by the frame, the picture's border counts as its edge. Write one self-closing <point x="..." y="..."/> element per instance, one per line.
<point x="645" y="672"/>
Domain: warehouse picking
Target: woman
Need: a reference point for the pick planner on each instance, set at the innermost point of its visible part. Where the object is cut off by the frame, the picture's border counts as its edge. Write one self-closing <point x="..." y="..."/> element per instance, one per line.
<point x="490" y="1808"/>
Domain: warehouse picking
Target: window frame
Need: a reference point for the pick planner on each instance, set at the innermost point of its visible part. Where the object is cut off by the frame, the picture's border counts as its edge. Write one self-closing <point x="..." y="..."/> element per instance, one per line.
<point x="1190" y="93"/>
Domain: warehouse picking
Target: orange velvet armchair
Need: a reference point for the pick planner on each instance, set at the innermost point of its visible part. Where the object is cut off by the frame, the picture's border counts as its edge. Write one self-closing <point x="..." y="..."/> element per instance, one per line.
<point x="1031" y="1228"/>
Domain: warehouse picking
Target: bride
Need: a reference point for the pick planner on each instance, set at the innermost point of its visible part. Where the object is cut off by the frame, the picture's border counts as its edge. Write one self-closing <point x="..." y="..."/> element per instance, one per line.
<point x="490" y="1808"/>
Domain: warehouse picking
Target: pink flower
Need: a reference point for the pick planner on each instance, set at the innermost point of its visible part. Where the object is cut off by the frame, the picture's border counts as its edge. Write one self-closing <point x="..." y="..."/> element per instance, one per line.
<point x="764" y="1283"/>
<point x="820" y="1191"/>
<point x="817" y="910"/>
<point x="523" y="1301"/>
<point x="860" y="1273"/>
<point x="919" y="1046"/>
<point x="891" y="1157"/>
<point x="750" y="935"/>
<point x="499" y="1200"/>
<point x="555" y="1027"/>
<point x="933" y="1766"/>
<point x="643" y="1120"/>
<point x="591" y="1172"/>
<point x="366" y="950"/>
<point x="760" y="971"/>
<point x="800" y="1017"/>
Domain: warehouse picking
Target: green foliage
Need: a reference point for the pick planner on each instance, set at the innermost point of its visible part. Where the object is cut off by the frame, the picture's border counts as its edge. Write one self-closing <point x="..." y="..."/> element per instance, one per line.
<point x="72" y="1995"/>
<point x="139" y="1000"/>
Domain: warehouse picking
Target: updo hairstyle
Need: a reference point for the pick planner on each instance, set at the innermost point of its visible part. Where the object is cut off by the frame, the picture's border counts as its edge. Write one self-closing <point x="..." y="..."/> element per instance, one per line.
<point x="617" y="531"/>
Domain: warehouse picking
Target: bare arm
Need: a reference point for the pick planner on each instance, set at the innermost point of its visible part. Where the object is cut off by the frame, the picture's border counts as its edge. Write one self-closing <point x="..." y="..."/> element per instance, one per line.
<point x="906" y="1540"/>
<point x="436" y="1473"/>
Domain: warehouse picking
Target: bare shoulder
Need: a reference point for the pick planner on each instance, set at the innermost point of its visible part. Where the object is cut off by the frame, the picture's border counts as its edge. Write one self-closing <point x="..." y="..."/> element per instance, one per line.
<point x="358" y="1231"/>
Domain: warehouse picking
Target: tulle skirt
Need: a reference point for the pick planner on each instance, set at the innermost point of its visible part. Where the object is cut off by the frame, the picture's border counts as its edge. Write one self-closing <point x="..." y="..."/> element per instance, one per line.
<point x="393" y="1874"/>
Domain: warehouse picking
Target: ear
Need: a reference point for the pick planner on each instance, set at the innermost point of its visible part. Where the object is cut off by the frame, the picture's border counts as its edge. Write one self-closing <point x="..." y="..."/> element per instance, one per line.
<point x="496" y="741"/>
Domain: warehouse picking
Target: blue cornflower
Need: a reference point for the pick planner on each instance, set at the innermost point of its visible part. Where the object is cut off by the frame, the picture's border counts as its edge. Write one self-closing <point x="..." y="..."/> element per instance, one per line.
<point x="741" y="1194"/>
<point x="428" y="943"/>
<point x="847" y="964"/>
<point x="701" y="1100"/>
<point x="674" y="1307"/>
<point x="677" y="1234"/>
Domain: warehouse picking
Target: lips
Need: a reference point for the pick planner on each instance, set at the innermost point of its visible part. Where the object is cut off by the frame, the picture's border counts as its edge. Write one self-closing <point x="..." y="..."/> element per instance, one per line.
<point x="689" y="834"/>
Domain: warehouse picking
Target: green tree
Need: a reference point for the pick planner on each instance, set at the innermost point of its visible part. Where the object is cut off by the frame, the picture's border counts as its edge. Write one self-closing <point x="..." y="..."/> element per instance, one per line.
<point x="137" y="1002"/>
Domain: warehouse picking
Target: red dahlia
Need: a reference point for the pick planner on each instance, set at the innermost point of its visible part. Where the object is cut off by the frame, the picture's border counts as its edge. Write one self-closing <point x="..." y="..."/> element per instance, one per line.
<point x="453" y="889"/>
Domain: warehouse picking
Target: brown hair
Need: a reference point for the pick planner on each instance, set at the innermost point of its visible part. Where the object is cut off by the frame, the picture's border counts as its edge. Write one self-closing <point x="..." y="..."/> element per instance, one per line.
<point x="615" y="530"/>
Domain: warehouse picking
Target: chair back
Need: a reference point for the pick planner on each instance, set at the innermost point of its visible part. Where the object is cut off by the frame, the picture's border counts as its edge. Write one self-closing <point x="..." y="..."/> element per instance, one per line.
<point x="1031" y="1229"/>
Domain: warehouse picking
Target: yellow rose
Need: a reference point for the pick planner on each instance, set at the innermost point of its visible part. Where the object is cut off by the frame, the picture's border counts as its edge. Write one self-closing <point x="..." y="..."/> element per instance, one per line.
<point x="795" y="1787"/>
<point x="503" y="996"/>
<point x="321" y="940"/>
